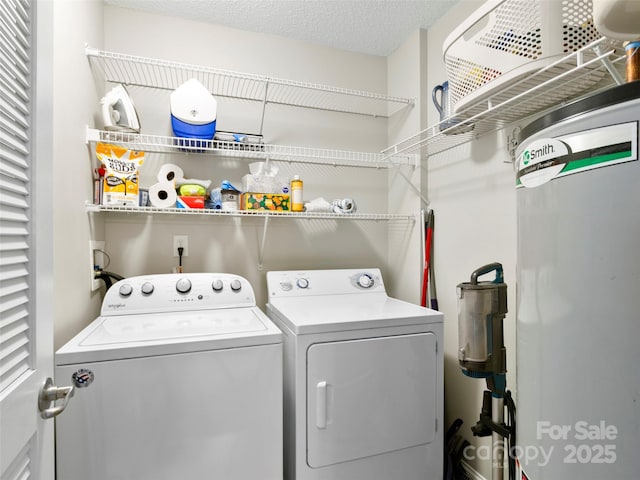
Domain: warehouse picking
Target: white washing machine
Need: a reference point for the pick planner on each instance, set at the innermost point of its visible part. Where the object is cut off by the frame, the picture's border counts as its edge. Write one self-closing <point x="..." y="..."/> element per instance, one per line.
<point x="363" y="378"/>
<point x="179" y="377"/>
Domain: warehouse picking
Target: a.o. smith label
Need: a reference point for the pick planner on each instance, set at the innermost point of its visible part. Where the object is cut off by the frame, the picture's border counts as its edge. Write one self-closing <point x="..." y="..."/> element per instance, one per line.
<point x="547" y="158"/>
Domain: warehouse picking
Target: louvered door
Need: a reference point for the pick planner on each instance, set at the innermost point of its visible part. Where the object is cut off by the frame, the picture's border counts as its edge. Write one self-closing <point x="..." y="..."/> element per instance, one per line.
<point x="26" y="351"/>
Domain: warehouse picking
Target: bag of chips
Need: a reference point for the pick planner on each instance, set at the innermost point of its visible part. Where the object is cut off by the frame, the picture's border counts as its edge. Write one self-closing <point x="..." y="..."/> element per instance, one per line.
<point x="120" y="183"/>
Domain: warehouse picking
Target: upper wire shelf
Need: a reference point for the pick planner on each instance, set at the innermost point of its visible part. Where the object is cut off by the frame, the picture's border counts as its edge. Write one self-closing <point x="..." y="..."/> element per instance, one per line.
<point x="148" y="72"/>
<point x="164" y="144"/>
<point x="592" y="68"/>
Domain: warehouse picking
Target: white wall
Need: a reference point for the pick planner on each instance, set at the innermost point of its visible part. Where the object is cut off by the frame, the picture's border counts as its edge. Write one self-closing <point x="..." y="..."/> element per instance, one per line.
<point x="472" y="192"/>
<point x="232" y="244"/>
<point x="75" y="97"/>
<point x="405" y="79"/>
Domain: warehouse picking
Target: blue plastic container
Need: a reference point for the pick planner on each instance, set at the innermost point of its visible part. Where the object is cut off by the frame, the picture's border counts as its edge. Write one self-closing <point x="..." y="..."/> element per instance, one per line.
<point x="187" y="130"/>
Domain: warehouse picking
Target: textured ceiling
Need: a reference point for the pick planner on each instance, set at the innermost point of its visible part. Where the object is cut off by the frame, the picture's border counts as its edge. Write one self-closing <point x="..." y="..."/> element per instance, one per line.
<point x="376" y="27"/>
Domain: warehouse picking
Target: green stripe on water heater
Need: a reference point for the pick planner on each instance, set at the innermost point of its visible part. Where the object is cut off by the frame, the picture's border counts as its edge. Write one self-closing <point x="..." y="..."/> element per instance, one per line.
<point x="593" y="161"/>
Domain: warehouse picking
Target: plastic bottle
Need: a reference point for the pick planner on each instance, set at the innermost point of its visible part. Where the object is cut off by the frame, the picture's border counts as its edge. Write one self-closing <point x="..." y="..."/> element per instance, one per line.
<point x="296" y="194"/>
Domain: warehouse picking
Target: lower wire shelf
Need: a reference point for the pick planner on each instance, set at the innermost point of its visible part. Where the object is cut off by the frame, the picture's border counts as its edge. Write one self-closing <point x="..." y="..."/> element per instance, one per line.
<point x="92" y="208"/>
<point x="266" y="216"/>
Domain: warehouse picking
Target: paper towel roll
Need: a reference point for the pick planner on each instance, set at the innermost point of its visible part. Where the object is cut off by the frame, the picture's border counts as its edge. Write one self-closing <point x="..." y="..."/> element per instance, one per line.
<point x="163" y="195"/>
<point x="170" y="173"/>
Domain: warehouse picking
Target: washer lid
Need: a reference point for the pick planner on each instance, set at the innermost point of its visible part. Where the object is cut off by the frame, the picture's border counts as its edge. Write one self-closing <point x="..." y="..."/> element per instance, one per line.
<point x="144" y="335"/>
<point x="332" y="313"/>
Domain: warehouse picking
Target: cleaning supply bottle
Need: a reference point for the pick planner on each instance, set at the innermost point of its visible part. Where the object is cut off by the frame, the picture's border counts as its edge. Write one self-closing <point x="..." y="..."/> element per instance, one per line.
<point x="296" y="194"/>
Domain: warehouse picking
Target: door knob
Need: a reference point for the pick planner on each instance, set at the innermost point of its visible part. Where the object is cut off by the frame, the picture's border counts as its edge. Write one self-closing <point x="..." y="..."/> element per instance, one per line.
<point x="49" y="393"/>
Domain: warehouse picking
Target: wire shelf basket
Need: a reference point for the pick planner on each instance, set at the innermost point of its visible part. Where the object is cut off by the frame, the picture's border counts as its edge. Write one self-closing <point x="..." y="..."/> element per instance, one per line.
<point x="550" y="86"/>
<point x="504" y="41"/>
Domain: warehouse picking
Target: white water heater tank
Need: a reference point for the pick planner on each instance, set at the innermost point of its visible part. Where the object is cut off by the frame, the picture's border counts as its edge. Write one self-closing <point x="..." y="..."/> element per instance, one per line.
<point x="578" y="290"/>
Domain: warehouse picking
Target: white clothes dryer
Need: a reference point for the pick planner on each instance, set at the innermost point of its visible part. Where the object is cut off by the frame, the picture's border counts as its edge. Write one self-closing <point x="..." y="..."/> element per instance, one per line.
<point x="179" y="377"/>
<point x="363" y="378"/>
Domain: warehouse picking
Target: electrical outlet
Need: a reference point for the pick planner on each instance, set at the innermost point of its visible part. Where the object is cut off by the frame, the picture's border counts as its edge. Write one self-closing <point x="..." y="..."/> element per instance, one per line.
<point x="96" y="259"/>
<point x="181" y="241"/>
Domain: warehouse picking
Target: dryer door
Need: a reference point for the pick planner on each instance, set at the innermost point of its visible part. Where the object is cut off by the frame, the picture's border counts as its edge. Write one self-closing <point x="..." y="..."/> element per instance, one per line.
<point x="370" y="396"/>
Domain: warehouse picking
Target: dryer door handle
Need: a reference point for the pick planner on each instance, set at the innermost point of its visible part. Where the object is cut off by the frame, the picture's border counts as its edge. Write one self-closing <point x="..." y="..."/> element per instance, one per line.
<point x="321" y="404"/>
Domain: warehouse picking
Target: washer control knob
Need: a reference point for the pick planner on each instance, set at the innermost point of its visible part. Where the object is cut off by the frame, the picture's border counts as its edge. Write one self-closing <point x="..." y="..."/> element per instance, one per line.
<point x="302" y="282"/>
<point x="183" y="285"/>
<point x="217" y="285"/>
<point x="286" y="286"/>
<point x="365" y="280"/>
<point x="147" y="288"/>
<point x="236" y="285"/>
<point x="125" y="290"/>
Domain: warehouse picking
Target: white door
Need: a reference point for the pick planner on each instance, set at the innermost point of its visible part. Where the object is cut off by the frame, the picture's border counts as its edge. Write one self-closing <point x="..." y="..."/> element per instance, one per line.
<point x="370" y="396"/>
<point x="26" y="266"/>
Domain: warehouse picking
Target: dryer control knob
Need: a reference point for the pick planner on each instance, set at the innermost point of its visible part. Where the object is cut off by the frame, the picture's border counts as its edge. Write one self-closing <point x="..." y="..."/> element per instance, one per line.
<point x="183" y="285"/>
<point x="302" y="282"/>
<point x="125" y="290"/>
<point x="217" y="285"/>
<point x="147" y="288"/>
<point x="286" y="286"/>
<point x="365" y="280"/>
<point x="236" y="285"/>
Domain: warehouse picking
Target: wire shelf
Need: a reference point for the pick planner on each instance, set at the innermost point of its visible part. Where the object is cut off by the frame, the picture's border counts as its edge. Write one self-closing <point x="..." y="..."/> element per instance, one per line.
<point x="592" y="68"/>
<point x="164" y="144"/>
<point x="162" y="74"/>
<point x="92" y="208"/>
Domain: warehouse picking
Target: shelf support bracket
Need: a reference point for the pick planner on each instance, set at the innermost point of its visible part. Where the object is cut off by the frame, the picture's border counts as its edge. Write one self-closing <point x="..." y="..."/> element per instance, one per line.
<point x="91" y="135"/>
<point x="263" y="242"/>
<point x="264" y="105"/>
<point x="413" y="187"/>
<point x="608" y="65"/>
<point x="512" y="143"/>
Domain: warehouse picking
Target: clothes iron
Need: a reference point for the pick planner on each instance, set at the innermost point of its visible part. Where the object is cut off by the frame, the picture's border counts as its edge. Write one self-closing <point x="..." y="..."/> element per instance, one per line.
<point x="118" y="112"/>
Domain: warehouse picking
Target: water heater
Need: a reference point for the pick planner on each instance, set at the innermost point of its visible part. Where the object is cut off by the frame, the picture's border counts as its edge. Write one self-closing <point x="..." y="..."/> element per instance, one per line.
<point x="578" y="290"/>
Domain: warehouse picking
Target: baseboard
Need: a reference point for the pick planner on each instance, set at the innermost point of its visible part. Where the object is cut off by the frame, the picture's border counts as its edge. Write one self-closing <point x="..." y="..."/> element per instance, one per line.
<point x="469" y="472"/>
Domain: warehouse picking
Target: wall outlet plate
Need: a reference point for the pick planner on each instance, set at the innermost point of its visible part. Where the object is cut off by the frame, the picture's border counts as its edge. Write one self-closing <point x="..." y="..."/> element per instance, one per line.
<point x="96" y="247"/>
<point x="181" y="241"/>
